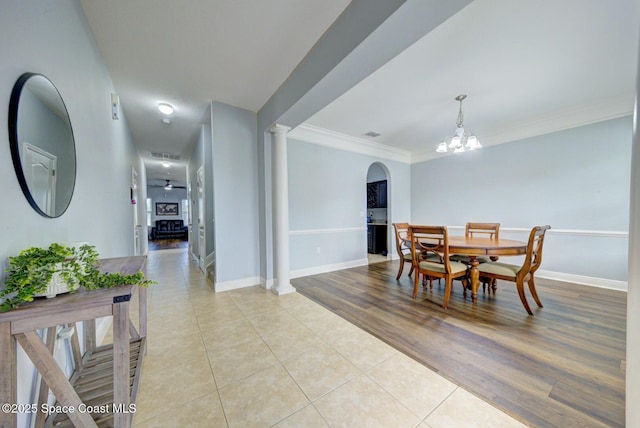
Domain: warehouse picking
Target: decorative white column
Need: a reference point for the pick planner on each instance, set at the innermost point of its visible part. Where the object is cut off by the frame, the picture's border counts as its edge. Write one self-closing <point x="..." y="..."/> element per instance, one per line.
<point x="281" y="210"/>
<point x="633" y="289"/>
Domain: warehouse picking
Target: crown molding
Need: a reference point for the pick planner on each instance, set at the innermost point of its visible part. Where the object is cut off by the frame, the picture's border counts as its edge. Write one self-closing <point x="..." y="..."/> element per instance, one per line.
<point x="324" y="137"/>
<point x="608" y="109"/>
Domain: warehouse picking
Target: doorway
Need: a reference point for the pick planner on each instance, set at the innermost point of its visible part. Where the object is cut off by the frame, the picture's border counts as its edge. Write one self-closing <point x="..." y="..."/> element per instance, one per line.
<point x="40" y="175"/>
<point x="378" y="245"/>
<point x="137" y="227"/>
<point x="202" y="253"/>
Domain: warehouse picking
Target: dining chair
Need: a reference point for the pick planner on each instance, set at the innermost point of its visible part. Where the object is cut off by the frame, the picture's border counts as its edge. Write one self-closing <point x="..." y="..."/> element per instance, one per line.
<point x="520" y="274"/>
<point x="402" y="246"/>
<point x="484" y="230"/>
<point x="434" y="241"/>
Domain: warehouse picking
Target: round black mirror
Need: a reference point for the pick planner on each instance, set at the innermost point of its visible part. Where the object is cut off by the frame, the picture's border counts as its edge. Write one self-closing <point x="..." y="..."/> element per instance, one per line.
<point x="42" y="144"/>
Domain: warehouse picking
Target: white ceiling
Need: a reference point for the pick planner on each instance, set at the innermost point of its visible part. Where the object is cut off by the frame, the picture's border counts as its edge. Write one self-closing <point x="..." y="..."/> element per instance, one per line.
<point x="527" y="66"/>
<point x="191" y="52"/>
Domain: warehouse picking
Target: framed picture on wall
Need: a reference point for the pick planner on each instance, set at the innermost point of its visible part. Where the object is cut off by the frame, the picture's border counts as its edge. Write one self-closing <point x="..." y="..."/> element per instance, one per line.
<point x="167" y="208"/>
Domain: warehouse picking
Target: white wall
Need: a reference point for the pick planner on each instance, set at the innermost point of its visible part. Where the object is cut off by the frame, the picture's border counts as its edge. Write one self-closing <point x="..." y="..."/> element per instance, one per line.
<point x="576" y="180"/>
<point x="328" y="205"/>
<point x="53" y="38"/>
<point x="235" y="182"/>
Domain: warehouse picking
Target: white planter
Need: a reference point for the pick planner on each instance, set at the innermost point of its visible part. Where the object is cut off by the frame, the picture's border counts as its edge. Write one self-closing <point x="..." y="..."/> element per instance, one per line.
<point x="57" y="285"/>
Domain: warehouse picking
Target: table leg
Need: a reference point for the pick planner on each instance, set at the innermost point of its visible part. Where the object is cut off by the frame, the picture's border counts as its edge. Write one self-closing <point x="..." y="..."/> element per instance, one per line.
<point x="142" y="311"/>
<point x="89" y="335"/>
<point x="8" y="376"/>
<point x="121" y="392"/>
<point x="55" y="378"/>
<point x="475" y="277"/>
<point x="44" y="388"/>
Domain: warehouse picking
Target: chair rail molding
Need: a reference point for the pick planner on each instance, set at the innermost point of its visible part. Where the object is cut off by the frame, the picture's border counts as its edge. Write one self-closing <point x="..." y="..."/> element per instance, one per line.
<point x="326" y="231"/>
<point x="546" y="274"/>
<point x="573" y="232"/>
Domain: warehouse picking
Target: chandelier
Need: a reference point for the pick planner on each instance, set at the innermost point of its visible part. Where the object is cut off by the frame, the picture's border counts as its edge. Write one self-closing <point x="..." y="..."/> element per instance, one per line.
<point x="462" y="139"/>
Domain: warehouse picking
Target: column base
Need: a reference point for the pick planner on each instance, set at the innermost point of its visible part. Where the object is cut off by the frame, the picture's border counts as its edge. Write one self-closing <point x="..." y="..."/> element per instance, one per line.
<point x="283" y="289"/>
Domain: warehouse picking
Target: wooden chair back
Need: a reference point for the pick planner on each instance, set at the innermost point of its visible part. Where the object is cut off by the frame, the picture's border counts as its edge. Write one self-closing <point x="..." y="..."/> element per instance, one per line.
<point x="402" y="232"/>
<point x="533" y="258"/>
<point x="427" y="240"/>
<point x="490" y="229"/>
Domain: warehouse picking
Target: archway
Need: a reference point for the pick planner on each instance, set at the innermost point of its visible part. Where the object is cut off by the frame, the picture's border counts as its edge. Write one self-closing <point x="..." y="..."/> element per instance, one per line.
<point x="378" y="209"/>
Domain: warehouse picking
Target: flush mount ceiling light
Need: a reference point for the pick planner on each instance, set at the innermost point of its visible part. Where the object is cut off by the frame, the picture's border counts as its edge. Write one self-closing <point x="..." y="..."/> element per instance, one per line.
<point x="462" y="139"/>
<point x="165" y="108"/>
<point x="166" y="164"/>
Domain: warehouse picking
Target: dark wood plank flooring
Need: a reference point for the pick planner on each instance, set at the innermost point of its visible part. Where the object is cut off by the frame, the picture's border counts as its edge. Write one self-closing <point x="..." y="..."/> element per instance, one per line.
<point x="167" y="244"/>
<point x="563" y="367"/>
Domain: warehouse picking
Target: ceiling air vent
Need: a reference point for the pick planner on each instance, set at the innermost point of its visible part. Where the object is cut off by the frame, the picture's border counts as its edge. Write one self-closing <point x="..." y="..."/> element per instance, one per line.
<point x="164" y="156"/>
<point x="372" y="134"/>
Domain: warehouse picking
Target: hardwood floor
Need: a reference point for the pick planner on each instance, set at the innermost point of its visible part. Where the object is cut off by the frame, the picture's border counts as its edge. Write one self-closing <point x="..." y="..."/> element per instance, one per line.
<point x="562" y="367"/>
<point x="167" y="244"/>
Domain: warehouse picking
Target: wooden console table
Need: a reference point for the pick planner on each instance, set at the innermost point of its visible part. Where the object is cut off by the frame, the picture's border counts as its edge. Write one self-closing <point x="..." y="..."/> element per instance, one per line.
<point x="123" y="358"/>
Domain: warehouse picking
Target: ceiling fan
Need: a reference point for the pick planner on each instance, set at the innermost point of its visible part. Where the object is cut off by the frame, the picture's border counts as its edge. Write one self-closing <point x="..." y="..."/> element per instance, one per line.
<point x="168" y="186"/>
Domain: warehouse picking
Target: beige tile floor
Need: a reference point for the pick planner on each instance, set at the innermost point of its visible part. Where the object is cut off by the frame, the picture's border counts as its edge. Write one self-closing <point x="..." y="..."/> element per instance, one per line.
<point x="249" y="358"/>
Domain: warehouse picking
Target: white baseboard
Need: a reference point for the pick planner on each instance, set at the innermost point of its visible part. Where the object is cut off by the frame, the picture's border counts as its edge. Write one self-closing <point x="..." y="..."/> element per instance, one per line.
<point x="315" y="270"/>
<point x="555" y="276"/>
<point x="591" y="281"/>
<point x="267" y="284"/>
<point x="236" y="283"/>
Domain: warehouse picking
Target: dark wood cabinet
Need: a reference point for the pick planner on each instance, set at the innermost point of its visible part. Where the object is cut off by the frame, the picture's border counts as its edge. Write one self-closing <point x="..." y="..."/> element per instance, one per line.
<point x="377" y="194"/>
<point x="377" y="238"/>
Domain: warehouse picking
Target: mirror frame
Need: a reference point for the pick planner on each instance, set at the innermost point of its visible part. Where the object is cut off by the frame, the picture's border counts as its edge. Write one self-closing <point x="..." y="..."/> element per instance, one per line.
<point x="14" y="142"/>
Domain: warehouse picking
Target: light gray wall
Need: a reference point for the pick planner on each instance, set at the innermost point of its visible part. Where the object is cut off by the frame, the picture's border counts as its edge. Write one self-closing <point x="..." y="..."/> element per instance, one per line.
<point x="63" y="49"/>
<point x="328" y="204"/>
<point x="159" y="194"/>
<point x="265" y="209"/>
<point x="53" y="38"/>
<point x="235" y="178"/>
<point x="576" y="179"/>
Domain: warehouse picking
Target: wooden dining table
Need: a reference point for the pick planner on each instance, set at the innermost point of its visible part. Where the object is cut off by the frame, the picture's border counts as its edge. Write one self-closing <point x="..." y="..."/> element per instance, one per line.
<point x="474" y="247"/>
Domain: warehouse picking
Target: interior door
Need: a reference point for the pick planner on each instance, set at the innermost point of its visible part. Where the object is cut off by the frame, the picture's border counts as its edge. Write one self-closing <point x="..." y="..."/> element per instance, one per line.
<point x="137" y="227"/>
<point x="202" y="249"/>
<point x="190" y="218"/>
<point x="40" y="174"/>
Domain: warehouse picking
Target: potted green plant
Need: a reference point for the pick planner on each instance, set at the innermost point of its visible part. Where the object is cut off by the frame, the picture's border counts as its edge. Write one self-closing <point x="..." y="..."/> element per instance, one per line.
<point x="58" y="269"/>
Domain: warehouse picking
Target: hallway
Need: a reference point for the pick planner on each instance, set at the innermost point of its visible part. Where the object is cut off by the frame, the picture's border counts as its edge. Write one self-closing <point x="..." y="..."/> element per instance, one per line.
<point x="248" y="358"/>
